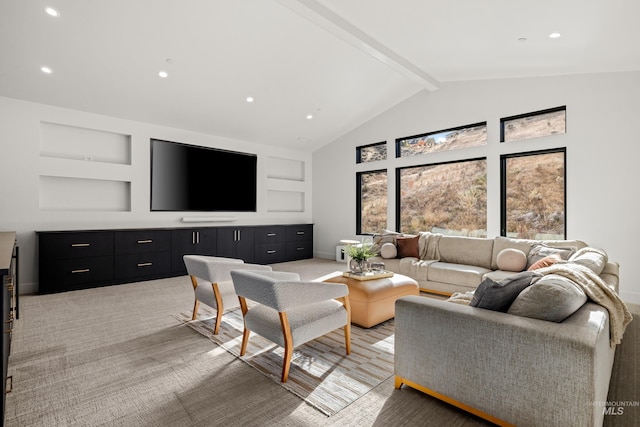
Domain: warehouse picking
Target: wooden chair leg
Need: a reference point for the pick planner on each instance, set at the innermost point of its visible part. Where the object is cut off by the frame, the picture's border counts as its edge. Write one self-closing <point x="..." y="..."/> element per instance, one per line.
<point x="288" y="346"/>
<point x="219" y="308"/>
<point x="246" y="332"/>
<point x="347" y="337"/>
<point x="196" y="305"/>
<point x="245" y="341"/>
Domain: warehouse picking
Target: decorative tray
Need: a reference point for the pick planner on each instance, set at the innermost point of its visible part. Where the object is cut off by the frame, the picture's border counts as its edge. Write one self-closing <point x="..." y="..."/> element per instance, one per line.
<point x="368" y="276"/>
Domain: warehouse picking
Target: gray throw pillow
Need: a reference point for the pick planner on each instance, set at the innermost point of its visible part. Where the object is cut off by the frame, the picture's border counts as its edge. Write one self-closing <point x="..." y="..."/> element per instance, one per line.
<point x="552" y="298"/>
<point x="498" y="296"/>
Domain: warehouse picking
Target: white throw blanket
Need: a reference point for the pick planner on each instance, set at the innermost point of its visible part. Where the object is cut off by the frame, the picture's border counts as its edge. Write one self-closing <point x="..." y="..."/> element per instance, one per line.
<point x="597" y="291"/>
<point x="428" y="245"/>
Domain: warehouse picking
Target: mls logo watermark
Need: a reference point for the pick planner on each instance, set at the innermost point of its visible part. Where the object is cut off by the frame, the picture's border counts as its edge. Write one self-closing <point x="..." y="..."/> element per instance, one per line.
<point x="615" y="407"/>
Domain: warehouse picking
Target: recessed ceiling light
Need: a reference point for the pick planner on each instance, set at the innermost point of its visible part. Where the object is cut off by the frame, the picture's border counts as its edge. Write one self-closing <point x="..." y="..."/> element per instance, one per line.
<point x="163" y="74"/>
<point x="250" y="99"/>
<point x="46" y="70"/>
<point x="51" y="11"/>
<point x="309" y="117"/>
<point x="554" y="35"/>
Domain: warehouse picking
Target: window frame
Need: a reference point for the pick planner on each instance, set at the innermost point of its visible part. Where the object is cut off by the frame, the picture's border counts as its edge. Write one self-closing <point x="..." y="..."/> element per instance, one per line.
<point x="359" y="198"/>
<point x="375" y="144"/>
<point x="427" y="134"/>
<point x="503" y="183"/>
<point x="398" y="189"/>
<point x="503" y="120"/>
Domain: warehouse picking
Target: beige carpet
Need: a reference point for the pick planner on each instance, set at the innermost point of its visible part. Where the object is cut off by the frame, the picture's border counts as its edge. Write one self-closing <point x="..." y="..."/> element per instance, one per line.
<point x="116" y="356"/>
<point x="321" y="373"/>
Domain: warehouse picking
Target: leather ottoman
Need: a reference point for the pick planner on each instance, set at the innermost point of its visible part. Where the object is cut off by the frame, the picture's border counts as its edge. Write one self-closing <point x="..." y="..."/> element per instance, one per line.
<point x="374" y="301"/>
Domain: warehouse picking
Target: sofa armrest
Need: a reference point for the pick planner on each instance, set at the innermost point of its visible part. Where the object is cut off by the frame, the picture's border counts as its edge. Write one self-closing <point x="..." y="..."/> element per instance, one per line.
<point x="504" y="365"/>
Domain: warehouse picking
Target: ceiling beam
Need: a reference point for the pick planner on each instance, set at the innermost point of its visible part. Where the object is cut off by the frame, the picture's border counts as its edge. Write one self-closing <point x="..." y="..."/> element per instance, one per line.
<point x="339" y="27"/>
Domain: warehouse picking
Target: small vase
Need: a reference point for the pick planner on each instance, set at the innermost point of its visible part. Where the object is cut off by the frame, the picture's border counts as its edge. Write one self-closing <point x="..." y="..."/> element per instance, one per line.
<point x="358" y="266"/>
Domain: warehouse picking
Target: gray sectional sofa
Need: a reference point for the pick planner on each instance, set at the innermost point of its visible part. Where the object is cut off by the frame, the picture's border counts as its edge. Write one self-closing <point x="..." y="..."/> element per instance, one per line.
<point x="507" y="368"/>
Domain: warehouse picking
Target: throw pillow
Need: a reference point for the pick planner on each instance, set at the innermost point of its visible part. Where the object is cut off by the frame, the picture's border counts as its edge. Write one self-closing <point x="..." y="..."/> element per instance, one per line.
<point x="388" y="250"/>
<point x="511" y="260"/>
<point x="498" y="296"/>
<point x="592" y="258"/>
<point x="552" y="298"/>
<point x="408" y="247"/>
<point x="540" y="251"/>
<point x="545" y="262"/>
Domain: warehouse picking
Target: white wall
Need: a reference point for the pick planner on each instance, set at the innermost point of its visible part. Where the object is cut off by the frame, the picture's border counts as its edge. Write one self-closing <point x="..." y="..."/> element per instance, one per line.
<point x="23" y="163"/>
<point x="602" y="156"/>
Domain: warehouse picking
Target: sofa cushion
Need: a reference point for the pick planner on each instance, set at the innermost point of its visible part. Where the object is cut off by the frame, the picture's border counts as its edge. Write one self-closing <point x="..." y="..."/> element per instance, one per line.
<point x="592" y="258"/>
<point x="458" y="274"/>
<point x="407" y="247"/>
<point x="466" y="250"/>
<point x="542" y="250"/>
<point x="552" y="298"/>
<point x="498" y="296"/>
<point x="545" y="262"/>
<point x="500" y="243"/>
<point x="511" y="259"/>
<point x="388" y="250"/>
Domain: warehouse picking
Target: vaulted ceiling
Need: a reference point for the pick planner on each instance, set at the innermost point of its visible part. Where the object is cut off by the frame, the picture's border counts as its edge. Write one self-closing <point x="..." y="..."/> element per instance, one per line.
<point x="340" y="61"/>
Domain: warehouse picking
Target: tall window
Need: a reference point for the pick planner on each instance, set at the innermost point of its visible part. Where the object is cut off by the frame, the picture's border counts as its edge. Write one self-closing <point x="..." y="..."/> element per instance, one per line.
<point x="533" y="194"/>
<point x="449" y="198"/>
<point x="442" y="140"/>
<point x="372" y="201"/>
<point x="530" y="125"/>
<point x="371" y="152"/>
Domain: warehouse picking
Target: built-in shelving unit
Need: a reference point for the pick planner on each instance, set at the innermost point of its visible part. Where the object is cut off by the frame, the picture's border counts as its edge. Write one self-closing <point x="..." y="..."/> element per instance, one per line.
<point x="84" y="169"/>
<point x="286" y="178"/>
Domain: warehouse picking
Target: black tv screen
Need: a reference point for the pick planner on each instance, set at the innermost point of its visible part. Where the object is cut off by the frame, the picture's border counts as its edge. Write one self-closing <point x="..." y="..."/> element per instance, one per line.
<point x="193" y="178"/>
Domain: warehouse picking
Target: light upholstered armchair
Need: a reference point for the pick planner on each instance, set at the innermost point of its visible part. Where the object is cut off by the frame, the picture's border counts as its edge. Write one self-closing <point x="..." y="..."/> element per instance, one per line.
<point x="290" y="312"/>
<point x="212" y="284"/>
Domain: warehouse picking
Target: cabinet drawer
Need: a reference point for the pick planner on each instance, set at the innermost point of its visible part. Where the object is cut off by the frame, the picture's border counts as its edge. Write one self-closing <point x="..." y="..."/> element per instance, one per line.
<point x="142" y="264"/>
<point x="299" y="232"/>
<point x="300" y="250"/>
<point x="270" y="235"/>
<point x="75" y="245"/>
<point x="270" y="253"/>
<point x="138" y="241"/>
<point x="75" y="273"/>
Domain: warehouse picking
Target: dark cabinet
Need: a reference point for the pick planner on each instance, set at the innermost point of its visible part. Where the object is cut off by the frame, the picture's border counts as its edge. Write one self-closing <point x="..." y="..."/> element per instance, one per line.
<point x="70" y="260"/>
<point x="299" y="242"/>
<point x="270" y="244"/>
<point x="141" y="254"/>
<point x="75" y="260"/>
<point x="236" y="242"/>
<point x="198" y="241"/>
<point x="8" y="302"/>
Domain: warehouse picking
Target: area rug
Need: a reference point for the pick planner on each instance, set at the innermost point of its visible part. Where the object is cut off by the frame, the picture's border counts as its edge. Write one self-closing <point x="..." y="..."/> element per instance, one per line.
<point x="321" y="373"/>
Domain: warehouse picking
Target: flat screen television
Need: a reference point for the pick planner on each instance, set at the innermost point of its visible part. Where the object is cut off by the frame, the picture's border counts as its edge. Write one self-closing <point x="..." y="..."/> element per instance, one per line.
<point x="194" y="178"/>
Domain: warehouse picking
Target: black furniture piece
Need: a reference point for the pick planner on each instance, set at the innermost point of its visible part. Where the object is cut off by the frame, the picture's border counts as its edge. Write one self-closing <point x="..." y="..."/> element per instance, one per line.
<point x="8" y="301"/>
<point x="70" y="260"/>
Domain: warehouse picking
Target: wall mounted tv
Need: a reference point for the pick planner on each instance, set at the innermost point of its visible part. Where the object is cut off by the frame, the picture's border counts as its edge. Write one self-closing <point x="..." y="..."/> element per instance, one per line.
<point x="193" y="178"/>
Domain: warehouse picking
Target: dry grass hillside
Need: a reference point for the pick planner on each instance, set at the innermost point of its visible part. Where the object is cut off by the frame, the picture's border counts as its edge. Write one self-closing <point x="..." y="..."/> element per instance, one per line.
<point x="452" y="196"/>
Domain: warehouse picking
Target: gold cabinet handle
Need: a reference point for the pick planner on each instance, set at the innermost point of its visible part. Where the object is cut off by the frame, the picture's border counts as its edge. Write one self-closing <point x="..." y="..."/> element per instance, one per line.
<point x="82" y="270"/>
<point x="80" y="245"/>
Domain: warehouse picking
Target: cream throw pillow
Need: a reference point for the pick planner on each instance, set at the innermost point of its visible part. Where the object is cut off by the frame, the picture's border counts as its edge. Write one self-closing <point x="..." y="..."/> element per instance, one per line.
<point x="388" y="250"/>
<point x="511" y="260"/>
